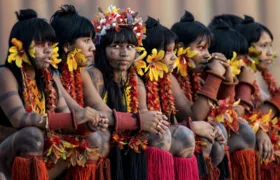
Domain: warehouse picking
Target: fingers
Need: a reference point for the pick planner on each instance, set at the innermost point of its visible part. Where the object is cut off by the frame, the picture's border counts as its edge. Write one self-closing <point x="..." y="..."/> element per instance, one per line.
<point x="265" y="151"/>
<point x="165" y="123"/>
<point x="271" y="152"/>
<point x="219" y="56"/>
<point x="268" y="151"/>
<point x="260" y="148"/>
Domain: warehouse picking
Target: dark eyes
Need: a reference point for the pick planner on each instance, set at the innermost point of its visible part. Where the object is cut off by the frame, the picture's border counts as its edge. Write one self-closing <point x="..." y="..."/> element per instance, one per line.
<point x="42" y="44"/>
<point x="128" y="46"/>
<point x="87" y="40"/>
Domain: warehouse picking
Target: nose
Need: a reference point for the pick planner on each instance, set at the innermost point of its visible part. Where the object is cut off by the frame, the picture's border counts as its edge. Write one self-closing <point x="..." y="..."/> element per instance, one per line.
<point x="123" y="52"/>
<point x="92" y="46"/>
<point x="270" y="51"/>
<point x="48" y="49"/>
<point x="206" y="54"/>
<point x="173" y="56"/>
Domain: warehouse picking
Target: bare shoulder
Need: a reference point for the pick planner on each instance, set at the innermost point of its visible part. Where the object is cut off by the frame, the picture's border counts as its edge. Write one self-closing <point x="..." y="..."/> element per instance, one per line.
<point x="94" y="73"/>
<point x="140" y="81"/>
<point x="6" y="76"/>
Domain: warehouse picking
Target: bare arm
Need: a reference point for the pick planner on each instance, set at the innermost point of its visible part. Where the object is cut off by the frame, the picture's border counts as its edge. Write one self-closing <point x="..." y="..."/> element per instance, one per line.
<point x="62" y="106"/>
<point x="93" y="99"/>
<point x="70" y="102"/>
<point x="12" y="104"/>
<point x="182" y="103"/>
<point x="142" y="96"/>
<point x="96" y="79"/>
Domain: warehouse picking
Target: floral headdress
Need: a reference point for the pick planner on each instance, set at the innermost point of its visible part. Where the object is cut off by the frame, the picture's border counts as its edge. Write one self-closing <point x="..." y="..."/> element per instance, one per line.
<point x="115" y="18"/>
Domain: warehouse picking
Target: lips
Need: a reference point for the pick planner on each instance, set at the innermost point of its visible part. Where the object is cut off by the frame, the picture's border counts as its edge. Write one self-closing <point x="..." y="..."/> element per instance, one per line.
<point x="123" y="62"/>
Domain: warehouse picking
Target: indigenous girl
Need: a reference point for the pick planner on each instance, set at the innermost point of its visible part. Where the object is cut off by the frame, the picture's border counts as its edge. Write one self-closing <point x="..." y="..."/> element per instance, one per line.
<point x="78" y="47"/>
<point x="32" y="104"/>
<point x="193" y="42"/>
<point x="75" y="36"/>
<point x="242" y="138"/>
<point x="261" y="55"/>
<point x="160" y="44"/>
<point x="119" y="32"/>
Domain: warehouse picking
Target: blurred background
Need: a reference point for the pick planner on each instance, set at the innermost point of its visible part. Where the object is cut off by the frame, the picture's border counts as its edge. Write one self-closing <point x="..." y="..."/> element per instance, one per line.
<point x="168" y="11"/>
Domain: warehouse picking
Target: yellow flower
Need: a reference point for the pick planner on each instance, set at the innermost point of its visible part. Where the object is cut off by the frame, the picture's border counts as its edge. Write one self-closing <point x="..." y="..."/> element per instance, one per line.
<point x="183" y="60"/>
<point x="235" y="65"/>
<point x="74" y="58"/>
<point x="254" y="54"/>
<point x="127" y="98"/>
<point x="139" y="64"/>
<point x="274" y="55"/>
<point x="32" y="49"/>
<point x="55" y="56"/>
<point x="112" y="9"/>
<point x="156" y="68"/>
<point x="260" y="121"/>
<point x="17" y="53"/>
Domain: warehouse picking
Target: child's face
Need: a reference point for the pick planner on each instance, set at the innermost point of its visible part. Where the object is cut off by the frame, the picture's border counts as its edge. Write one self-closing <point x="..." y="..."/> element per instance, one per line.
<point x="120" y="56"/>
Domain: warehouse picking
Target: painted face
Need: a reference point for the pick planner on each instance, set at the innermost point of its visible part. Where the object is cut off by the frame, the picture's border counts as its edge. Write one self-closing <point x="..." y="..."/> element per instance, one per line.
<point x="169" y="57"/>
<point x="201" y="47"/>
<point x="87" y="49"/>
<point x="120" y="56"/>
<point x="265" y="46"/>
<point x="43" y="54"/>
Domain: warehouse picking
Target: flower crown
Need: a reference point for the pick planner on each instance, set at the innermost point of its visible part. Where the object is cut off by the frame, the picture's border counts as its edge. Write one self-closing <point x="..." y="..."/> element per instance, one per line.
<point x="115" y="18"/>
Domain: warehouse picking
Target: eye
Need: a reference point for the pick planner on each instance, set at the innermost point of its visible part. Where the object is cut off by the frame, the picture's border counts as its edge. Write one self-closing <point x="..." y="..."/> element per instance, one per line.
<point x="201" y="47"/>
<point x="87" y="40"/>
<point x="50" y="43"/>
<point x="116" y="46"/>
<point x="169" y="50"/>
<point x="130" y="46"/>
<point x="39" y="43"/>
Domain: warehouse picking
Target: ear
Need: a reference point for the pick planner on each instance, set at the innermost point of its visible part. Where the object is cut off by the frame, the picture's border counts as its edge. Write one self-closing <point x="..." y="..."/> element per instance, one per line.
<point x="67" y="48"/>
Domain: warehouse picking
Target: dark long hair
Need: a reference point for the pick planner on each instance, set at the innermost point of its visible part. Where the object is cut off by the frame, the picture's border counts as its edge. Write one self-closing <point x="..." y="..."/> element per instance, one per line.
<point x="252" y="30"/>
<point x="226" y="40"/>
<point x="69" y="26"/>
<point x="114" y="91"/>
<point x="231" y="19"/>
<point x="29" y="28"/>
<point x="158" y="37"/>
<point x="188" y="30"/>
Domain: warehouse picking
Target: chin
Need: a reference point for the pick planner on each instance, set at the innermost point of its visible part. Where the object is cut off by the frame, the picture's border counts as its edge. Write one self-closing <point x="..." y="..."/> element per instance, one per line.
<point x="262" y="66"/>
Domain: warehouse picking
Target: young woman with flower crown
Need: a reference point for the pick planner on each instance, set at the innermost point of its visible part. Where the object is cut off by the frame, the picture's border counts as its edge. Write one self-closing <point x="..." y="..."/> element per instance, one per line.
<point x="33" y="105"/>
<point x="78" y="49"/>
<point x="260" y="57"/>
<point x="194" y="40"/>
<point x="119" y="32"/>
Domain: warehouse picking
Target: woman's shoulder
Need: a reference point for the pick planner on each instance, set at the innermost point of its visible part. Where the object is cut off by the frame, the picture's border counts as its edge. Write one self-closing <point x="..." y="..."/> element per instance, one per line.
<point x="94" y="73"/>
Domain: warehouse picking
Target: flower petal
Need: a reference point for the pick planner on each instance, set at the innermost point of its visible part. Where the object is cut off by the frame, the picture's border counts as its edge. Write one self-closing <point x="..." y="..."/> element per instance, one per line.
<point x="160" y="55"/>
<point x="18" y="61"/>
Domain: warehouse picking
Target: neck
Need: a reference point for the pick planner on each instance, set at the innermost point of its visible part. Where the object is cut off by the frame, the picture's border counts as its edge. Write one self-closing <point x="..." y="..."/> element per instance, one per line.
<point x="30" y="72"/>
<point x="118" y="75"/>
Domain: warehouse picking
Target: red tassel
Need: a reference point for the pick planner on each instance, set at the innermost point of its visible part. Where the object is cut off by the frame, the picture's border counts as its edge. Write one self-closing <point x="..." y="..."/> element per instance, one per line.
<point x="186" y="168"/>
<point x="243" y="164"/>
<point x="103" y="171"/>
<point x="160" y="164"/>
<point x="213" y="171"/>
<point x="27" y="168"/>
<point x="82" y="173"/>
<point x="229" y="161"/>
<point x="270" y="171"/>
